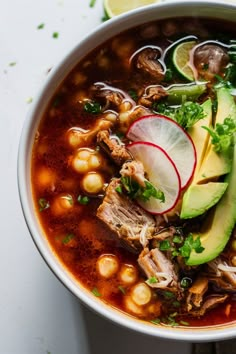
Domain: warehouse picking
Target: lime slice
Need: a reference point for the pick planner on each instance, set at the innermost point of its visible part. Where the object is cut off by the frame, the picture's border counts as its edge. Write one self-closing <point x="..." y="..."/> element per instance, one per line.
<point x="116" y="7"/>
<point x="181" y="59"/>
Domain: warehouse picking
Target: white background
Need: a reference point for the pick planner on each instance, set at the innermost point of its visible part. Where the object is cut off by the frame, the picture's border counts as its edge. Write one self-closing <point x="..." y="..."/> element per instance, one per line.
<point x="37" y="314"/>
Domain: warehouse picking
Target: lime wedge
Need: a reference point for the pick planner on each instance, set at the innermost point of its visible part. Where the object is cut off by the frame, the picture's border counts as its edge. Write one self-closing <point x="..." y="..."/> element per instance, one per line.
<point x="116" y="7"/>
<point x="181" y="58"/>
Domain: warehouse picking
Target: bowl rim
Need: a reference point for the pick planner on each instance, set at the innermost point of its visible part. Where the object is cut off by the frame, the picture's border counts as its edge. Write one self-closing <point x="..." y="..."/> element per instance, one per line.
<point x="55" y="77"/>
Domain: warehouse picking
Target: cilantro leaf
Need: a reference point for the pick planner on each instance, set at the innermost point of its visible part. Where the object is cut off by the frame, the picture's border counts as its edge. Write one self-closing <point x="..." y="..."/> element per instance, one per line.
<point x="92" y="107"/>
<point x="223" y="134"/>
<point x="186" y="115"/>
<point x="134" y="190"/>
<point x="43" y="204"/>
<point x="152" y="280"/>
<point x="190" y="244"/>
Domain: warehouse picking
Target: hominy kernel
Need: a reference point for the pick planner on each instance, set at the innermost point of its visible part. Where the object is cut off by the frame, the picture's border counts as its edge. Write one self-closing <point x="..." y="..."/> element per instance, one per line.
<point x="92" y="183"/>
<point x="128" y="274"/>
<point x="80" y="166"/>
<point x="84" y="154"/>
<point x="94" y="161"/>
<point x="107" y="265"/>
<point x="141" y="294"/>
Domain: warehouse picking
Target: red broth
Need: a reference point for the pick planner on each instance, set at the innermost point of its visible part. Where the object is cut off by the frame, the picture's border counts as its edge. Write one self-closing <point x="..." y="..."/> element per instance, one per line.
<point x="78" y="237"/>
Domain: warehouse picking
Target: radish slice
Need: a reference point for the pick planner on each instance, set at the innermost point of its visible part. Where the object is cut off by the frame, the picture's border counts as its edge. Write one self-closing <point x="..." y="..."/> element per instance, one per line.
<point x="171" y="137"/>
<point x="161" y="172"/>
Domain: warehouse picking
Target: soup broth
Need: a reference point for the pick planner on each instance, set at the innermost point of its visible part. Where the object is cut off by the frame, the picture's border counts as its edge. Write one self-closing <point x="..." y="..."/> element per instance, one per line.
<point x="107" y="222"/>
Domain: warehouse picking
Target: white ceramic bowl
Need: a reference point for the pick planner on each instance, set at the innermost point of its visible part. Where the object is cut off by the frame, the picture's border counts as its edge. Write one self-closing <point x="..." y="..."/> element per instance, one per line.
<point x="210" y="9"/>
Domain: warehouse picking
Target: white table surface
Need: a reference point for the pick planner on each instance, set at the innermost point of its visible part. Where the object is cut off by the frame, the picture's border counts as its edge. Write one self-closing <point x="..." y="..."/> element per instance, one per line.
<point x="37" y="314"/>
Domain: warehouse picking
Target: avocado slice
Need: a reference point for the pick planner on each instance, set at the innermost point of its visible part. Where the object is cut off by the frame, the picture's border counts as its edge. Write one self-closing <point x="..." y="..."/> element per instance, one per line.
<point x="219" y="225"/>
<point x="200" y="137"/>
<point x="201" y="197"/>
<point x="216" y="164"/>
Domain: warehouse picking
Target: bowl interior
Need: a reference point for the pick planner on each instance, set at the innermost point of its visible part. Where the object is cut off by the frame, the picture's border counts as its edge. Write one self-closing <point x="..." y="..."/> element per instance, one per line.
<point x="207" y="9"/>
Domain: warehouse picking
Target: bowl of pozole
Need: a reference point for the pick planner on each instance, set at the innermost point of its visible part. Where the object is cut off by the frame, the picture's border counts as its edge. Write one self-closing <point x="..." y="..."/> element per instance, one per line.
<point x="127" y="170"/>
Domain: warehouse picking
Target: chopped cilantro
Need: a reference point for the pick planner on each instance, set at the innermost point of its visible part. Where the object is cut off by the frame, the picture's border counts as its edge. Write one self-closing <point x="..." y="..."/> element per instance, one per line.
<point x="134" y="190"/>
<point x="188" y="114"/>
<point x="156" y="321"/>
<point x="176" y="303"/>
<point x="152" y="280"/>
<point x="185" y="282"/>
<point x="191" y="244"/>
<point x="43" y="204"/>
<point x="96" y="292"/>
<point x="92" y="107"/>
<point x="170" y="321"/>
<point x="184" y="323"/>
<point x="223" y="134"/>
<point x="185" y="115"/>
<point x="177" y="239"/>
<point x="92" y="3"/>
<point x="168" y="75"/>
<point x="41" y="26"/>
<point x="119" y="189"/>
<point x="67" y="238"/>
<point x="165" y="245"/>
<point x="133" y="94"/>
<point x="55" y="34"/>
<point x="105" y="17"/>
<point x="168" y="295"/>
<point x="13" y="63"/>
<point x="122" y="289"/>
<point x="83" y="199"/>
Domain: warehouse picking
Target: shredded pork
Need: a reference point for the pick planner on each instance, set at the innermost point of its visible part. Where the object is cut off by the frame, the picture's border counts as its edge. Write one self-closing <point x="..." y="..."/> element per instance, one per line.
<point x="130" y="222"/>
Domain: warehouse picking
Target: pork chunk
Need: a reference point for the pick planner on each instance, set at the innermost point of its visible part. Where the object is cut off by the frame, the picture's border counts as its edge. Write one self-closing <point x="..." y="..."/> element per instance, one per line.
<point x="130" y="222"/>
<point x="112" y="147"/>
<point x="155" y="264"/>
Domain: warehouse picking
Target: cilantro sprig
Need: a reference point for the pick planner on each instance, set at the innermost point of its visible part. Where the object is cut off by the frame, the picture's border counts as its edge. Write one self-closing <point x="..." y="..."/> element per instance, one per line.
<point x="185" y="115"/>
<point x="135" y="191"/>
<point x="191" y="243"/>
<point x="223" y="134"/>
<point x="180" y="246"/>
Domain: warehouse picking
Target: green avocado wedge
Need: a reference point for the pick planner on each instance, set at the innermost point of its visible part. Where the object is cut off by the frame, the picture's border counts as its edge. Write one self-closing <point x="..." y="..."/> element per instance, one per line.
<point x="201" y="197"/>
<point x="218" y="164"/>
<point x="218" y="227"/>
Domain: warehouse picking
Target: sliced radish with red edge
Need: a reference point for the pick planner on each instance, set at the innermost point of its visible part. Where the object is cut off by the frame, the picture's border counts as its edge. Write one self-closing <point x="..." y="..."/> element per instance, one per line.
<point x="171" y="137"/>
<point x="162" y="174"/>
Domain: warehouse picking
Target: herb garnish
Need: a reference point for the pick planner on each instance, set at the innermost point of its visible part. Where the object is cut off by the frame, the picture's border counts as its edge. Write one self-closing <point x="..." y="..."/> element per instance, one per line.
<point x="185" y="282"/>
<point x="67" y="238"/>
<point x="191" y="244"/>
<point x="152" y="280"/>
<point x="55" y="34"/>
<point x="223" y="134"/>
<point x="165" y="245"/>
<point x="134" y="190"/>
<point x="83" y="199"/>
<point x="43" y="204"/>
<point x="92" y="107"/>
<point x="13" y="63"/>
<point x="168" y="75"/>
<point x="133" y="94"/>
<point x="186" y="115"/>
<point x="92" y="3"/>
<point x="122" y="289"/>
<point x="156" y="321"/>
<point x="41" y="26"/>
<point x="96" y="292"/>
<point x="168" y="294"/>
